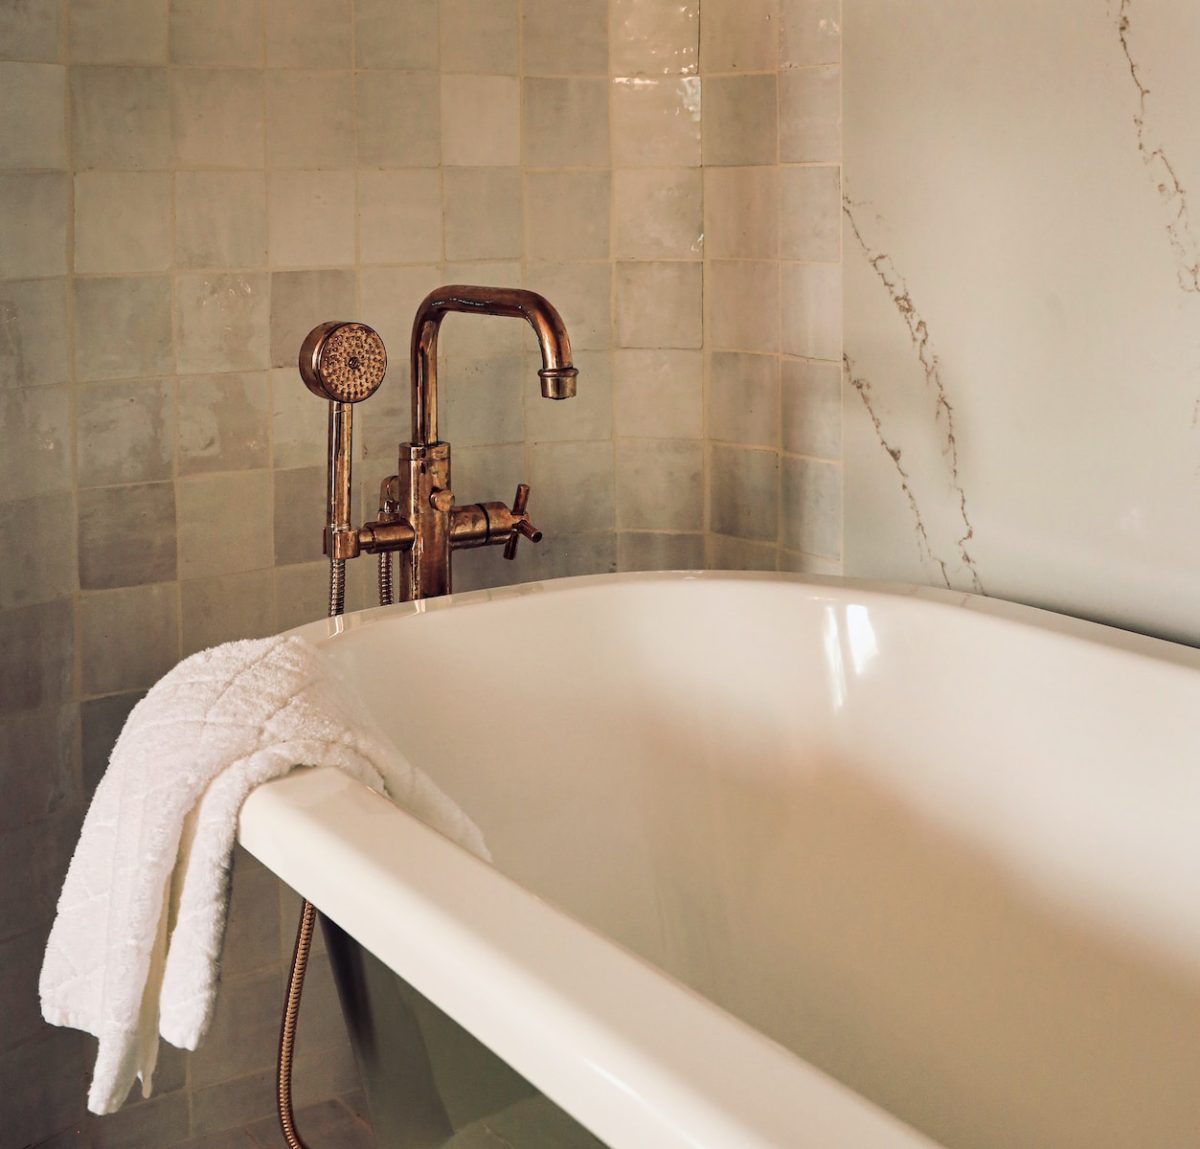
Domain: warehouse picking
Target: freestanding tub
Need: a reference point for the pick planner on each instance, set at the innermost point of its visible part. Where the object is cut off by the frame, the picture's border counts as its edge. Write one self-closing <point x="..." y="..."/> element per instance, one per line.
<point x="777" y="862"/>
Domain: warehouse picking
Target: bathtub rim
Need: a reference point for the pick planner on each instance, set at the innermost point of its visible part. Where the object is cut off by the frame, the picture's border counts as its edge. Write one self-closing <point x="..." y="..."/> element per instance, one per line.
<point x="1159" y="648"/>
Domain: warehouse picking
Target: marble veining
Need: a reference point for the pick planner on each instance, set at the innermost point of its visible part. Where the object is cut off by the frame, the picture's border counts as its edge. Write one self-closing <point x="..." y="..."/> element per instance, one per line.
<point x="863" y="388"/>
<point x="1021" y="332"/>
<point x="918" y="330"/>
<point x="1171" y="192"/>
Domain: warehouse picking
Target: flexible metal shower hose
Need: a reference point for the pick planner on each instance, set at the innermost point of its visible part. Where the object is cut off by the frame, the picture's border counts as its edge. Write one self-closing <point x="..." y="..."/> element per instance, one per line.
<point x="304" y="933"/>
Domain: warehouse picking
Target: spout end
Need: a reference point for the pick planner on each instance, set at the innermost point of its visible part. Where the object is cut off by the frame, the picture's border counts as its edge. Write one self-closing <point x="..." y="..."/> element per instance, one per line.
<point x="558" y="382"/>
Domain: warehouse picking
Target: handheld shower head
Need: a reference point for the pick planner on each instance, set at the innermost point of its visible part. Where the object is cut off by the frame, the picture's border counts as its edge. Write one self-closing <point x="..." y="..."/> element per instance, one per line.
<point x="343" y="362"/>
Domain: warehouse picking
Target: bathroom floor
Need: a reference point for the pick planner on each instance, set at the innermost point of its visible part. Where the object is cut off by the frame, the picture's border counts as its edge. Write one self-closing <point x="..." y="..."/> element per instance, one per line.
<point x="341" y="1122"/>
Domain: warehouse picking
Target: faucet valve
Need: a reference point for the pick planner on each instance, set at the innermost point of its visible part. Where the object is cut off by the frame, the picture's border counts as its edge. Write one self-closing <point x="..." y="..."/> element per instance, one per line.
<point x="522" y="526"/>
<point x="441" y="499"/>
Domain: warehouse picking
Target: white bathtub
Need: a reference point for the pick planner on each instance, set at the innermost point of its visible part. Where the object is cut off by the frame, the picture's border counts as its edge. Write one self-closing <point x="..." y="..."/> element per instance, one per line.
<point x="781" y="861"/>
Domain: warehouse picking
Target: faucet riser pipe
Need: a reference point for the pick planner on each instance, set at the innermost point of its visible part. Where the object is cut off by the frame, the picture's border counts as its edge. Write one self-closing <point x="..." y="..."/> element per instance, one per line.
<point x="425" y="567"/>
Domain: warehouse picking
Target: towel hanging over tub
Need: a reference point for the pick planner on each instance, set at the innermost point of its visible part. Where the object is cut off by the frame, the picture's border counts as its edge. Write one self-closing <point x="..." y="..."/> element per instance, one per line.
<point x="154" y="853"/>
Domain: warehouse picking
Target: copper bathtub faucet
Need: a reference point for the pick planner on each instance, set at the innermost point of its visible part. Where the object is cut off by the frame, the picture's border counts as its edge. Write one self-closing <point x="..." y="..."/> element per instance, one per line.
<point x="345" y="363"/>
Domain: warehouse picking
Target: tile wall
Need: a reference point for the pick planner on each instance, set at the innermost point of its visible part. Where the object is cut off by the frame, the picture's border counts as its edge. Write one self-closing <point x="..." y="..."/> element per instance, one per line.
<point x="772" y="282"/>
<point x="186" y="187"/>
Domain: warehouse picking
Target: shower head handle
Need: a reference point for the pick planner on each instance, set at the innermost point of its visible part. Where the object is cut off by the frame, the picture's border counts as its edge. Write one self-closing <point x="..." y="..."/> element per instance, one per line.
<point x="344" y="363"/>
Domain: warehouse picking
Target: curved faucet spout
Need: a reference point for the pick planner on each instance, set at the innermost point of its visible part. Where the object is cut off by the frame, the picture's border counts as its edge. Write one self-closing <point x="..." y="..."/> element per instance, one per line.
<point x="557" y="373"/>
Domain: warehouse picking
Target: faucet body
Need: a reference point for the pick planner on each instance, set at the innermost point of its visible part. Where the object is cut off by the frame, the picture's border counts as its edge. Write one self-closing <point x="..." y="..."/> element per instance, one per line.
<point x="417" y="516"/>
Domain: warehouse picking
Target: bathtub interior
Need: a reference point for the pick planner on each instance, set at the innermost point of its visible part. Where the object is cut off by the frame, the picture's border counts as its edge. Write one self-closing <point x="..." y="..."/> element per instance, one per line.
<point x="944" y="857"/>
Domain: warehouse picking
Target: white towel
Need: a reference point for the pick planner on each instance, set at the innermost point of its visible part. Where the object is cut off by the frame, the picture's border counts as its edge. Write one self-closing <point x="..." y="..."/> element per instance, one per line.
<point x="154" y="853"/>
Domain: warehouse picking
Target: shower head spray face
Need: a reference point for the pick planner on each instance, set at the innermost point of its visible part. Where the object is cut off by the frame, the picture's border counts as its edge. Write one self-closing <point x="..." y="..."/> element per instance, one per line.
<point x="343" y="362"/>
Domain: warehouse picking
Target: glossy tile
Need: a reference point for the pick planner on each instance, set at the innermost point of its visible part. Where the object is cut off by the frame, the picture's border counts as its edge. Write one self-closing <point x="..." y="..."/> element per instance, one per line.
<point x="33" y="128"/>
<point x="399" y="119"/>
<point x="656" y="122"/>
<point x="31" y="30"/>
<point x="739" y="36"/>
<point x="399" y="34"/>
<point x="565" y="122"/>
<point x="123" y="327"/>
<point x="659" y="213"/>
<point x="33" y="224"/>
<point x="812" y="408"/>
<point x="40" y="553"/>
<point x="810" y="213"/>
<point x="726" y="553"/>
<point x="479" y="36"/>
<point x="35" y="442"/>
<point x="743" y="398"/>
<point x="311" y="218"/>
<point x="120" y="118"/>
<point x="33" y="321"/>
<point x="659" y="305"/>
<point x="310" y="119"/>
<point x="38" y="669"/>
<point x="658" y="394"/>
<point x="217" y="32"/>
<point x="222" y="322"/>
<point x="811" y="296"/>
<point x="224" y="423"/>
<point x="740" y="120"/>
<point x="574" y="482"/>
<point x="215" y="540"/>
<point x="123" y="222"/>
<point x="484" y="213"/>
<point x="126" y="536"/>
<point x="567" y="214"/>
<point x="810" y="109"/>
<point x="220" y="220"/>
<point x="741" y="299"/>
<point x="481" y="121"/>
<point x="547" y="52"/>
<point x="741" y="213"/>
<point x="660" y="485"/>
<point x="810" y="32"/>
<point x="811" y="505"/>
<point x="744" y="493"/>
<point x="299" y="515"/>
<point x="659" y="551"/>
<point x="126" y="433"/>
<point x="659" y="38"/>
<point x="40" y="776"/>
<point x="309" y="33"/>
<point x="400" y="216"/>
<point x="118" y="31"/>
<point x="217" y="117"/>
